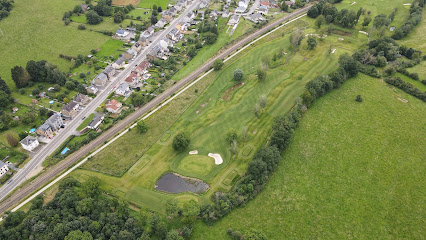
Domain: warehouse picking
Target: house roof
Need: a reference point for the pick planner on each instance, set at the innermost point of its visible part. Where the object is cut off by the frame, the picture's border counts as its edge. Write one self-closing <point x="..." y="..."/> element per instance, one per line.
<point x="109" y="69"/>
<point x="2" y="164"/>
<point x="123" y="87"/>
<point x="70" y="106"/>
<point x="44" y="127"/>
<point x="143" y="66"/>
<point x="80" y="97"/>
<point x="102" y="76"/>
<point x="96" y="120"/>
<point x="131" y="77"/>
<point x="119" y="61"/>
<point x="120" y="31"/>
<point x="28" y="140"/>
<point x="163" y="44"/>
<point x="54" y="118"/>
<point x="132" y="52"/>
<point x="113" y="104"/>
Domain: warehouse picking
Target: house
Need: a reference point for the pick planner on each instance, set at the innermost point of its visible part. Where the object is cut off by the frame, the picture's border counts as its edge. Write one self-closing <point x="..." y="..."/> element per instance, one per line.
<point x="214" y="14"/>
<point x="154" y="53"/>
<point x="132" y="80"/>
<point x="130" y="29"/>
<point x="182" y="27"/>
<point x="70" y="109"/>
<point x="121" y="33"/>
<point x="161" y="23"/>
<point x="34" y="101"/>
<point x="55" y="122"/>
<point x="225" y="14"/>
<point x="178" y="7"/>
<point x="203" y="4"/>
<point x="15" y="109"/>
<point x="82" y="99"/>
<point x="45" y="130"/>
<point x="119" y="63"/>
<point x="129" y="54"/>
<point x="137" y="47"/>
<point x="143" y="41"/>
<point x="168" y="17"/>
<point x="164" y="46"/>
<point x="3" y="169"/>
<point x="263" y="10"/>
<point x="92" y="89"/>
<point x="273" y="4"/>
<point x="289" y="3"/>
<point x="173" y="11"/>
<point x="96" y="121"/>
<point x="101" y="79"/>
<point x="113" y="106"/>
<point x="235" y="19"/>
<point x="29" y="143"/>
<point x="173" y="34"/>
<point x="84" y="7"/>
<point x="142" y="67"/>
<point x="255" y="17"/>
<point x="148" y="32"/>
<point x="109" y="71"/>
<point x="123" y="90"/>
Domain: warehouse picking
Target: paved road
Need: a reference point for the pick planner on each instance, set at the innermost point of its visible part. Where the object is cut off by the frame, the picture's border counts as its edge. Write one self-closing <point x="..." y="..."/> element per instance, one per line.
<point x="63" y="134"/>
<point x="44" y="178"/>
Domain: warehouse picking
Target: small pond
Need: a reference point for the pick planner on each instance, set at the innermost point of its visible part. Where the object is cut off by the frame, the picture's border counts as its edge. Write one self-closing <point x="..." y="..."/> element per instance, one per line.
<point x="173" y="183"/>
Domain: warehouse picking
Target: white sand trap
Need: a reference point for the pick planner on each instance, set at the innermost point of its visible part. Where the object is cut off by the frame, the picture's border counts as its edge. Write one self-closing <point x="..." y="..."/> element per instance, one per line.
<point x="353" y="3"/>
<point x="341" y="39"/>
<point x="217" y="158"/>
<point x="407" y="4"/>
<point x="195" y="152"/>
<point x="366" y="33"/>
<point x="334" y="50"/>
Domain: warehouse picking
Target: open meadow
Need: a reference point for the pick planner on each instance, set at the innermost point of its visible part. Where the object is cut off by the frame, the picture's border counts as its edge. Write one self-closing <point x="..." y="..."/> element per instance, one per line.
<point x="353" y="170"/>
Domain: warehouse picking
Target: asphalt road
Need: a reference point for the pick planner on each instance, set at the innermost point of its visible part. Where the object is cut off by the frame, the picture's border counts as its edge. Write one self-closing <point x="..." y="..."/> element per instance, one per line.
<point x="37" y="160"/>
<point x="51" y="173"/>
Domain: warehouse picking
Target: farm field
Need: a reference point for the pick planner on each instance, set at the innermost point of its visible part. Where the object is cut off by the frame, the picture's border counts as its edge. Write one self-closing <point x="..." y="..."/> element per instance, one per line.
<point x="150" y="155"/>
<point x="338" y="178"/>
<point x="35" y="31"/>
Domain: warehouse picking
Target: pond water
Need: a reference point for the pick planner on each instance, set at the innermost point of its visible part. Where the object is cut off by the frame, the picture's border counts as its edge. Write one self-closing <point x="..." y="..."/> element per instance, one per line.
<point x="173" y="183"/>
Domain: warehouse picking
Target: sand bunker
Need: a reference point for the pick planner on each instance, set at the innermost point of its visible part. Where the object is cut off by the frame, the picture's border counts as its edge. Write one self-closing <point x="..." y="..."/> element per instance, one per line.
<point x="217" y="158"/>
<point x="353" y="3"/>
<point x="195" y="152"/>
<point x="366" y="33"/>
<point x="334" y="50"/>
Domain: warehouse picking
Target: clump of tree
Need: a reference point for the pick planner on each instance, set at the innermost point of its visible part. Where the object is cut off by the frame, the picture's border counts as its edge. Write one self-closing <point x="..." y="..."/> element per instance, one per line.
<point x="209" y="31"/>
<point x="406" y="87"/>
<point x="5" y="8"/>
<point x="93" y="18"/>
<point x="358" y="98"/>
<point x="218" y="64"/>
<point x="103" y="8"/>
<point x="180" y="142"/>
<point x="312" y="42"/>
<point x="142" y="127"/>
<point x="416" y="13"/>
<point x="345" y="18"/>
<point x="296" y="38"/>
<point x="238" y="75"/>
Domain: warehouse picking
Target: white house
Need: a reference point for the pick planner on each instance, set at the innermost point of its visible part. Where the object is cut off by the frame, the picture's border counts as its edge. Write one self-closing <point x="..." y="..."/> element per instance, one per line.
<point x="123" y="90"/>
<point x="29" y="143"/>
<point x="3" y="169"/>
<point x="234" y="19"/>
<point x="96" y="121"/>
<point x="121" y="33"/>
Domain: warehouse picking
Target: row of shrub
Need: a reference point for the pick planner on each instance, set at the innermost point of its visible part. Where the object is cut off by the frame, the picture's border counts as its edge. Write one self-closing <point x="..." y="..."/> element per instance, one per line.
<point x="406" y="87"/>
<point x="416" y="13"/>
<point x="266" y="160"/>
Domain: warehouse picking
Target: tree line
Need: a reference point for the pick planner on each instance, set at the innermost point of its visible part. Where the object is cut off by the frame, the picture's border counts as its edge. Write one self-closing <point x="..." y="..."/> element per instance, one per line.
<point x="406" y="87"/>
<point x="416" y="13"/>
<point x="5" y="8"/>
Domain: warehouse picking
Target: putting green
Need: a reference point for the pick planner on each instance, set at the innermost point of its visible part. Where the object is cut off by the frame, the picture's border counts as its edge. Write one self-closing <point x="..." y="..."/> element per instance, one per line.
<point x="196" y="164"/>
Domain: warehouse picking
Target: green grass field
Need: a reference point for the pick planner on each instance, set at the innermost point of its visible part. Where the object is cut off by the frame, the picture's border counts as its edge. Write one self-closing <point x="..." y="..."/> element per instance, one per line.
<point x="150" y="3"/>
<point x="353" y="170"/>
<point x="196" y="164"/>
<point x="35" y="30"/>
<point x="85" y="122"/>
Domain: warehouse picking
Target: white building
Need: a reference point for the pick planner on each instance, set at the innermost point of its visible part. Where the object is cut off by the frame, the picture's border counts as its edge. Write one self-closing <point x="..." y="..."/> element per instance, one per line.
<point x="3" y="169"/>
<point x="123" y="90"/>
<point x="29" y="143"/>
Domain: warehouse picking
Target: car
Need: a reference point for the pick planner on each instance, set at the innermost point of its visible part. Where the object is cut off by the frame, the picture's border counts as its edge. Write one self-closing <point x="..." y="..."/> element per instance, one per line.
<point x="83" y="118"/>
<point x="9" y="181"/>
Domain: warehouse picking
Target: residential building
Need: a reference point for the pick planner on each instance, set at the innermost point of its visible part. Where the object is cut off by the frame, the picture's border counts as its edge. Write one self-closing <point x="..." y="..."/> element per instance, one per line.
<point x="123" y="90"/>
<point x="92" y="89"/>
<point x="100" y="80"/>
<point x="137" y="47"/>
<point x="129" y="54"/>
<point x="96" y="121"/>
<point x="121" y="33"/>
<point x="234" y="19"/>
<point x="82" y="99"/>
<point x="132" y="80"/>
<point x="109" y="71"/>
<point x="3" y="169"/>
<point x="142" y="67"/>
<point x="29" y="143"/>
<point x="263" y="10"/>
<point x="255" y="17"/>
<point x="55" y="122"/>
<point x="148" y="32"/>
<point x="119" y="63"/>
<point x="70" y="110"/>
<point x="113" y="106"/>
<point x="161" y="23"/>
<point x="143" y="41"/>
<point x="45" y="130"/>
<point x="226" y="13"/>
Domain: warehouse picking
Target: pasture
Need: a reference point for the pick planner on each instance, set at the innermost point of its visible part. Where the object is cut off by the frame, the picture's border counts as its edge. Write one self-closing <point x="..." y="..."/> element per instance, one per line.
<point x="352" y="170"/>
<point x="135" y="162"/>
<point x="150" y="3"/>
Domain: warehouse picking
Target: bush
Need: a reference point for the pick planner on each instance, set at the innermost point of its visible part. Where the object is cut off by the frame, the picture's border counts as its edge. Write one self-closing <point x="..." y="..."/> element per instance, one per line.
<point x="81" y="27"/>
<point x="218" y="64"/>
<point x="358" y="98"/>
<point x="238" y="75"/>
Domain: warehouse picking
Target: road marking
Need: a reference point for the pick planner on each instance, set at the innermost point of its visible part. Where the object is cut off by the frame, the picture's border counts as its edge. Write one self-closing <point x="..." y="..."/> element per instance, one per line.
<point x="144" y="117"/>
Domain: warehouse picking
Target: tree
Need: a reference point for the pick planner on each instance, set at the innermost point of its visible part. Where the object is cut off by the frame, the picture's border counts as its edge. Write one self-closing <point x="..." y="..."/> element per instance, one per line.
<point x="192" y="51"/>
<point x="159" y="9"/>
<point x="11" y="140"/>
<point x="118" y="16"/>
<point x="349" y="64"/>
<point x="312" y="42"/>
<point x="231" y="136"/>
<point x="43" y="111"/>
<point x="262" y="101"/>
<point x="210" y="38"/>
<point x="172" y="235"/>
<point x="180" y="142"/>
<point x="261" y="74"/>
<point x="137" y="99"/>
<point x="91" y="187"/>
<point x="93" y="18"/>
<point x="70" y="85"/>
<point x="78" y="235"/>
<point x="142" y="127"/>
<point x="20" y="76"/>
<point x="238" y="75"/>
<point x="358" y="98"/>
<point x="218" y="64"/>
<point x="4" y="87"/>
<point x="296" y="38"/>
<point x="172" y="207"/>
<point x="380" y="21"/>
<point x="313" y="11"/>
<point x="4" y="100"/>
<point x="78" y="9"/>
<point x="81" y="27"/>
<point x="366" y="22"/>
<point x="320" y="20"/>
<point x="154" y="19"/>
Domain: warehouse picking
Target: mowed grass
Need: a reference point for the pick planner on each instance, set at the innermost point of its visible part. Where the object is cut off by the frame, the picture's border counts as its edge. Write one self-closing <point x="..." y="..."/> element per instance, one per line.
<point x="35" y="31"/>
<point x="137" y="161"/>
<point x="150" y="3"/>
<point x="352" y="170"/>
<point x="110" y="48"/>
<point x="196" y="164"/>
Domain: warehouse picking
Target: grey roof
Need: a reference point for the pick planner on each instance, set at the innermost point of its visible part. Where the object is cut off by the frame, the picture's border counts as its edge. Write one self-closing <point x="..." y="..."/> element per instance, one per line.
<point x="123" y="87"/>
<point x="120" y="31"/>
<point x="108" y="69"/>
<point x="96" y="119"/>
<point x="102" y="76"/>
<point x="54" y="117"/>
<point x="70" y="105"/>
<point x="2" y="164"/>
<point x="119" y="61"/>
<point x="80" y="97"/>
<point x="44" y="127"/>
<point x="28" y="140"/>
